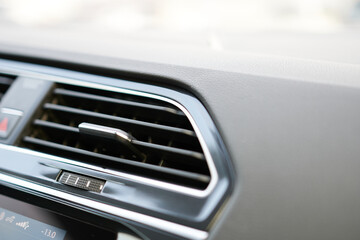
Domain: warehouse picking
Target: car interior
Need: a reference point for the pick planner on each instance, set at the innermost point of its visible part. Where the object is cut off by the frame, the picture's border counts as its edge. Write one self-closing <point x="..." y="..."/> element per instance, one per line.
<point x="161" y="120"/>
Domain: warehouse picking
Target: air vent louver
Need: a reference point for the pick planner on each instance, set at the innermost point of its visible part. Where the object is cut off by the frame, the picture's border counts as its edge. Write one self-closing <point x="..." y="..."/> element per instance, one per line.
<point x="161" y="131"/>
<point x="5" y="82"/>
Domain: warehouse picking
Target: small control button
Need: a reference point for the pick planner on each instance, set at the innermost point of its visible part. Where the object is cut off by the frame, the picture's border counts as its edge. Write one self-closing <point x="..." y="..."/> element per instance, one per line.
<point x="82" y="182"/>
<point x="7" y="124"/>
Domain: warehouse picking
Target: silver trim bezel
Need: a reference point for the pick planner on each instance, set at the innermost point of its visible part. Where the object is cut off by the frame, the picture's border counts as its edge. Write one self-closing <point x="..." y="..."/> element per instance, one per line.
<point x="146" y="181"/>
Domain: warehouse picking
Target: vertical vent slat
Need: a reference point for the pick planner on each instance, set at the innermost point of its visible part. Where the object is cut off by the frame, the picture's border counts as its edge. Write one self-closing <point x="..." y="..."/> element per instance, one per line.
<point x="164" y="145"/>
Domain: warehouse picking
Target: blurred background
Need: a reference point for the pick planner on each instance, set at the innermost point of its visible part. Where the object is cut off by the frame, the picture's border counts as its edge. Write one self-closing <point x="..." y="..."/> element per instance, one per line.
<point x="228" y="16"/>
<point x="216" y="24"/>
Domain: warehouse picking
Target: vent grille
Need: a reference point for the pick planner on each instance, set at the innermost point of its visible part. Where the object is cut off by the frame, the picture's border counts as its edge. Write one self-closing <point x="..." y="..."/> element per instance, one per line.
<point x="162" y="133"/>
<point x="5" y="82"/>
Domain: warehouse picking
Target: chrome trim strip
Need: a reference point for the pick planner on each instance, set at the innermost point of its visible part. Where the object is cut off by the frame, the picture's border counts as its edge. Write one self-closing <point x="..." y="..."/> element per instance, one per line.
<point x="170" y="187"/>
<point x="160" y="224"/>
<point x="12" y="111"/>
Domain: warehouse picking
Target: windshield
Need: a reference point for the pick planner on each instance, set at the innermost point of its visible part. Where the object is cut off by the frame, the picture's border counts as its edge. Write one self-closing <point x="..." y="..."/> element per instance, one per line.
<point x="207" y="24"/>
<point x="186" y="16"/>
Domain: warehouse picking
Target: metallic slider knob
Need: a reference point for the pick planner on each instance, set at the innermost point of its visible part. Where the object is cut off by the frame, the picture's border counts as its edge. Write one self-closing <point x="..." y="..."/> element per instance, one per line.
<point x="111" y="133"/>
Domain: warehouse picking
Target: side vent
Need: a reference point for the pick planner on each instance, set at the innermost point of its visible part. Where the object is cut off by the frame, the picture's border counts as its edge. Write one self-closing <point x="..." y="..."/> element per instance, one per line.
<point x="132" y="134"/>
<point x="5" y="82"/>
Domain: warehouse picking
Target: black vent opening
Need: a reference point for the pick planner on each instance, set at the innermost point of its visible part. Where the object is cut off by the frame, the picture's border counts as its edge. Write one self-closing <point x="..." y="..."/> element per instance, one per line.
<point x="163" y="134"/>
<point x="5" y="82"/>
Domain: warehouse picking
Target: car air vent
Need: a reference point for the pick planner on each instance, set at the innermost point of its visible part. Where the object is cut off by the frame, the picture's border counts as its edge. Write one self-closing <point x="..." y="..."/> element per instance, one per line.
<point x="128" y="133"/>
<point x="5" y="82"/>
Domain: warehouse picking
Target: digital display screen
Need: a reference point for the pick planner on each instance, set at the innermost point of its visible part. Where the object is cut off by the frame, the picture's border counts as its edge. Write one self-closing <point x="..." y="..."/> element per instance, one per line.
<point x="14" y="226"/>
<point x="22" y="220"/>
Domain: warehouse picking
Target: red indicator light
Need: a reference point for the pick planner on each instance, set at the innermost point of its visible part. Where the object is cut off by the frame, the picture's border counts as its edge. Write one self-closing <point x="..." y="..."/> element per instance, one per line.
<point x="4" y="124"/>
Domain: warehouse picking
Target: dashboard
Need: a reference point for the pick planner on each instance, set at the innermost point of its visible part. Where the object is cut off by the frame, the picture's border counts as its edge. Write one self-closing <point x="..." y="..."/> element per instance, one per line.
<point x="95" y="146"/>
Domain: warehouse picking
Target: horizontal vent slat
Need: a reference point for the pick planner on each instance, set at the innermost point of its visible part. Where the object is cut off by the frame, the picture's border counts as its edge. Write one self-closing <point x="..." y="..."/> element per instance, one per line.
<point x="159" y="127"/>
<point x="65" y="92"/>
<point x="159" y="170"/>
<point x="170" y="150"/>
<point x="167" y="149"/>
<point x="58" y="126"/>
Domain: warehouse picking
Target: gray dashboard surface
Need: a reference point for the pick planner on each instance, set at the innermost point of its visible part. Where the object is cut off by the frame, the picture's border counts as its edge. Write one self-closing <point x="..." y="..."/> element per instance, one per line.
<point x="292" y="128"/>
